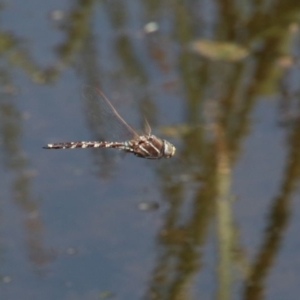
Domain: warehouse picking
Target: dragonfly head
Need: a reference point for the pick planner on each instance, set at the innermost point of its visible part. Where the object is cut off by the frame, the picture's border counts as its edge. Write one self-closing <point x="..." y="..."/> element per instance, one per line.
<point x="169" y="149"/>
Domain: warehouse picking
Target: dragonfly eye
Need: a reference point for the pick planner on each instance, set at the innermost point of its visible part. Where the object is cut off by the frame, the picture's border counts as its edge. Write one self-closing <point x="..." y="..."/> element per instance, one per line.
<point x="169" y="149"/>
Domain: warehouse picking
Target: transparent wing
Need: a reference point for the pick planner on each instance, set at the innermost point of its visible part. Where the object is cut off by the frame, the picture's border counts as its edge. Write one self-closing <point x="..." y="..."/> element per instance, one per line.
<point x="103" y="118"/>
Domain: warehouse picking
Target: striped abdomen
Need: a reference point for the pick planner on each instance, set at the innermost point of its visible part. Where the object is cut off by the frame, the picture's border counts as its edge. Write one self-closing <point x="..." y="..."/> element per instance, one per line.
<point x="82" y="144"/>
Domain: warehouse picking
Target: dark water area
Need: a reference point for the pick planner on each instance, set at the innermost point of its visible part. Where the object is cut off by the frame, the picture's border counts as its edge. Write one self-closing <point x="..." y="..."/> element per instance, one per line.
<point x="219" y="220"/>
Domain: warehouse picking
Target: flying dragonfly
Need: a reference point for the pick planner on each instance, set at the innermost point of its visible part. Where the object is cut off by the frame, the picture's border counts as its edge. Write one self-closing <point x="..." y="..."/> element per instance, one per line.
<point x="145" y="146"/>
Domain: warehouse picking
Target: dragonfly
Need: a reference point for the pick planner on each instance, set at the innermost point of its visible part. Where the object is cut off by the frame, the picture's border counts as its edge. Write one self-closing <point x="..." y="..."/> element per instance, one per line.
<point x="145" y="146"/>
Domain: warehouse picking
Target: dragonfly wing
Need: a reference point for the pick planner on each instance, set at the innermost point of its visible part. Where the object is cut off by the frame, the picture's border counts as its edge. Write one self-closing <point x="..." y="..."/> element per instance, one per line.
<point x="104" y="119"/>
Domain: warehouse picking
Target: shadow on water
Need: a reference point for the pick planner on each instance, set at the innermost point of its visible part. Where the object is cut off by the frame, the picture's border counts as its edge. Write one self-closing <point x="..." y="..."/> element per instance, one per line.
<point x="184" y="69"/>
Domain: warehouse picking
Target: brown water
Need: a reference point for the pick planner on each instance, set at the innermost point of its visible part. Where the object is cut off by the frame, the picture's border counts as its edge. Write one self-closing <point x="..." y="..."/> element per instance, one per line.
<point x="219" y="220"/>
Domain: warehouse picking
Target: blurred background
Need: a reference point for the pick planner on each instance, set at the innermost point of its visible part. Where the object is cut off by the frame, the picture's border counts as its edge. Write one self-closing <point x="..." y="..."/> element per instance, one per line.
<point x="218" y="79"/>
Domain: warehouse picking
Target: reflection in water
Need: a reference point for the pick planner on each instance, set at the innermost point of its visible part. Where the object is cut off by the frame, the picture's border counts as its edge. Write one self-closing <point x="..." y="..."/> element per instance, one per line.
<point x="221" y="95"/>
<point x="17" y="164"/>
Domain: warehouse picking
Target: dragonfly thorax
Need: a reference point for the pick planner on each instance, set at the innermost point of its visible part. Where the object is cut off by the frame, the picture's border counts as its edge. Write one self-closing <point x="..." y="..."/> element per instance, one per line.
<point x="151" y="147"/>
